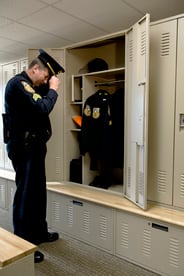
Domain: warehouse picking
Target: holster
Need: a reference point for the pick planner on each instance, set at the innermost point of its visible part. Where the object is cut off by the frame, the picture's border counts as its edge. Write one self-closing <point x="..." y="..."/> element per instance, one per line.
<point x="6" y="134"/>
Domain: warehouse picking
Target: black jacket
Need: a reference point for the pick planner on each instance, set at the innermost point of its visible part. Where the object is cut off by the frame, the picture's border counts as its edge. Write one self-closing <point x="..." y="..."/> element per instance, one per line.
<point x="26" y="110"/>
<point x="96" y="128"/>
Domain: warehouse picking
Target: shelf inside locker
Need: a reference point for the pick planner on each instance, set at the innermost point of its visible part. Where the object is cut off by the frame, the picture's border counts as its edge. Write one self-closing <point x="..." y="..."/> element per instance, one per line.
<point x="108" y="74"/>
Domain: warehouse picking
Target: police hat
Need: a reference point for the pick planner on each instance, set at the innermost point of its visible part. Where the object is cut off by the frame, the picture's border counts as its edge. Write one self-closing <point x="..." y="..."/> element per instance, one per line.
<point x="54" y="67"/>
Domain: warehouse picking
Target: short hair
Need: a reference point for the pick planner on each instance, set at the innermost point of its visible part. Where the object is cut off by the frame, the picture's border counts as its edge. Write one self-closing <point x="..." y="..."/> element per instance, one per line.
<point x="37" y="61"/>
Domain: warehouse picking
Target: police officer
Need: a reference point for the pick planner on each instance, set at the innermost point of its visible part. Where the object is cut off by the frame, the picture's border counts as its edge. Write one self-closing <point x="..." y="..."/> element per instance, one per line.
<point x="27" y="132"/>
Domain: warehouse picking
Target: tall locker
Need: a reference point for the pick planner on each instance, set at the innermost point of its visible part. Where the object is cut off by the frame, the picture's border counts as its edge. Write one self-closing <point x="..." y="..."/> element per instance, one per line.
<point x="179" y="121"/>
<point x="9" y="71"/>
<point x="136" y="112"/>
<point x="163" y="43"/>
<point x="127" y="62"/>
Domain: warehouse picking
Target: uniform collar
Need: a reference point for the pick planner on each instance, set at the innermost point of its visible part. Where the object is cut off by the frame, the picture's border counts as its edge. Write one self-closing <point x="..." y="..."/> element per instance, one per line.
<point x="25" y="75"/>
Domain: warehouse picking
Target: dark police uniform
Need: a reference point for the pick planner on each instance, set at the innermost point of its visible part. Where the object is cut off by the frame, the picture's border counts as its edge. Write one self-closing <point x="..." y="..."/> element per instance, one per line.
<point x="96" y="135"/>
<point x="28" y="129"/>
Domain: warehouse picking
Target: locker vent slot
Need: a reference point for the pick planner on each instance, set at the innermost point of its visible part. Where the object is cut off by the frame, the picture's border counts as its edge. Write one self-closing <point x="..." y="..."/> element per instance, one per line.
<point x="58" y="165"/>
<point x="6" y="76"/>
<point x="129" y="177"/>
<point x="182" y="185"/>
<point x="56" y="211"/>
<point x="86" y="222"/>
<point x="14" y="71"/>
<point x="124" y="235"/>
<point x="2" y="193"/>
<point x="141" y="183"/>
<point x="143" y="43"/>
<point x="174" y="252"/>
<point x="165" y="44"/>
<point x="161" y="181"/>
<point x="131" y="50"/>
<point x="70" y="216"/>
<point x="103" y="227"/>
<point x="12" y="192"/>
<point x="147" y="243"/>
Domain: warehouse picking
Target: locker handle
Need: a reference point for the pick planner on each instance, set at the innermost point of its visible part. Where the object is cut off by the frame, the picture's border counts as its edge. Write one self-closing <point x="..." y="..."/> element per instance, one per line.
<point x="160" y="227"/>
<point x="181" y="120"/>
<point x="141" y="83"/>
<point x="76" y="202"/>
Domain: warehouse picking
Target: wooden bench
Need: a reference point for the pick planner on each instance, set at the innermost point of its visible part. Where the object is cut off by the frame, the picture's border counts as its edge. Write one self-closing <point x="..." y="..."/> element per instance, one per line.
<point x="16" y="255"/>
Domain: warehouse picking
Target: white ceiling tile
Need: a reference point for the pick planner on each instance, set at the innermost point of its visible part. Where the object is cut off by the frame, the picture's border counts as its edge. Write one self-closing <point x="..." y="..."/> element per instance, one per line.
<point x="105" y="14"/>
<point x="158" y="8"/>
<point x="57" y="23"/>
<point x="4" y="21"/>
<point x="19" y="8"/>
<point x="19" y="32"/>
<point x="63" y="25"/>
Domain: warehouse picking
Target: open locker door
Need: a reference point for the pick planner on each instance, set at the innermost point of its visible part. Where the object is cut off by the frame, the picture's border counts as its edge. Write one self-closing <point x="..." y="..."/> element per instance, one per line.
<point x="136" y="112"/>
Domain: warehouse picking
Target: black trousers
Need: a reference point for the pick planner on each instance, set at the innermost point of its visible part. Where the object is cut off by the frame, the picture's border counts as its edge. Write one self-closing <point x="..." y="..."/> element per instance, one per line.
<point x="30" y="200"/>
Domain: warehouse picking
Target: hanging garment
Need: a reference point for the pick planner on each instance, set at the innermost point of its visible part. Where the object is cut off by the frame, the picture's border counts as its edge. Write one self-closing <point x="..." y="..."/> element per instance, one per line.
<point x="117" y="115"/>
<point x="96" y="128"/>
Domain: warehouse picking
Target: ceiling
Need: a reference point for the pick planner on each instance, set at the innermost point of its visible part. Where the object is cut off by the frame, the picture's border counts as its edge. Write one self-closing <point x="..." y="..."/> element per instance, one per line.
<point x="55" y="23"/>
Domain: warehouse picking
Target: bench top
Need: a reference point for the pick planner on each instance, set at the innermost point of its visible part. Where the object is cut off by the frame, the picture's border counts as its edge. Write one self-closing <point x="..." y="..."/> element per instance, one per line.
<point x="117" y="201"/>
<point x="13" y="248"/>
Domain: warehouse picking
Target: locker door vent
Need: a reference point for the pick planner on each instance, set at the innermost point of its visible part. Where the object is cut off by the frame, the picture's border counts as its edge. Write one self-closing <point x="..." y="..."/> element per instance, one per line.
<point x="70" y="216"/>
<point x="130" y="57"/>
<point x="143" y="43"/>
<point x="14" y="71"/>
<point x="58" y="165"/>
<point x="5" y="76"/>
<point x="12" y="192"/>
<point x="129" y="177"/>
<point x="165" y="44"/>
<point x="161" y="181"/>
<point x="103" y="227"/>
<point x="124" y="235"/>
<point x="2" y="193"/>
<point x="182" y="185"/>
<point x="141" y="183"/>
<point x="147" y="243"/>
<point x="56" y="211"/>
<point x="174" y="252"/>
<point x="86" y="221"/>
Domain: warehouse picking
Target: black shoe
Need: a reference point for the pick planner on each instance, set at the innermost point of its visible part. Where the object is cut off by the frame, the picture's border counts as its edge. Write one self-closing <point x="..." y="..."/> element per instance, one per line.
<point x="38" y="257"/>
<point x="51" y="237"/>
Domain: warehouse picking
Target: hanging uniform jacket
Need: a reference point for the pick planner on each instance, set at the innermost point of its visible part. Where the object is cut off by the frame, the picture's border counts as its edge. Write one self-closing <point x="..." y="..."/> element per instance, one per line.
<point x="96" y="128"/>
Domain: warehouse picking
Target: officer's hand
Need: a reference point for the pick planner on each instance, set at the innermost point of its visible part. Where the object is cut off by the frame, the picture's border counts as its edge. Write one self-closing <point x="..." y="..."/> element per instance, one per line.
<point x="54" y="83"/>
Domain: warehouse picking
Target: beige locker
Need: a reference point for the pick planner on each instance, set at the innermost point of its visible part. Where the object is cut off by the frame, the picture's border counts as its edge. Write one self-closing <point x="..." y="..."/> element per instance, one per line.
<point x="86" y="221"/>
<point x="178" y="196"/>
<point x="163" y="43"/>
<point x="9" y="71"/>
<point x="153" y="244"/>
<point x="127" y="62"/>
<point x="166" y="109"/>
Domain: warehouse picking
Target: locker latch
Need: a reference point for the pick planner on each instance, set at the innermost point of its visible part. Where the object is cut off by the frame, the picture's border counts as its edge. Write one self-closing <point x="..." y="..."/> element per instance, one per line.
<point x="181" y="120"/>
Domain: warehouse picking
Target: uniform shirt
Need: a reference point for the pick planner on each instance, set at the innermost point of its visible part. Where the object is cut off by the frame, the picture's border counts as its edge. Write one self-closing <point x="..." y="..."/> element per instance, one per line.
<point x="25" y="108"/>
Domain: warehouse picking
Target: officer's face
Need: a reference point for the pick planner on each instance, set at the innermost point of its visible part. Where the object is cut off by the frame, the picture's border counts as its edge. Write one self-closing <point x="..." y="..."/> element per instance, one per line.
<point x="41" y="76"/>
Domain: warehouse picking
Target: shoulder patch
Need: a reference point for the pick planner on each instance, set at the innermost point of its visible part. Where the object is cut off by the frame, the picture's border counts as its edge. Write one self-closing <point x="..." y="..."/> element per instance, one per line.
<point x="36" y="96"/>
<point x="27" y="87"/>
